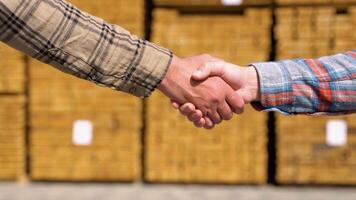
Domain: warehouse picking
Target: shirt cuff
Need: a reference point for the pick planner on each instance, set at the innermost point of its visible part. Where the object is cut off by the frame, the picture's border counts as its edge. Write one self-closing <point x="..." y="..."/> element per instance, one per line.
<point x="275" y="86"/>
<point x="149" y="71"/>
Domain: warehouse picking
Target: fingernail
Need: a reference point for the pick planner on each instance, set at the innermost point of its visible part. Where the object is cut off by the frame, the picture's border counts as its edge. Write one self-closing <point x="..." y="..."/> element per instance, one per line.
<point x="199" y="72"/>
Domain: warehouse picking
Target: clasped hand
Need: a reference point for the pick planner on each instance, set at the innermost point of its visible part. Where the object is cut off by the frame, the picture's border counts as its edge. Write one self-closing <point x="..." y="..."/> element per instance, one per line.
<point x="208" y="90"/>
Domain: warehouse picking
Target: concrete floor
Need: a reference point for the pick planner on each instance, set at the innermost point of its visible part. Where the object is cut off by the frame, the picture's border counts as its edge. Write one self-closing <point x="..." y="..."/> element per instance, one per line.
<point x="67" y="191"/>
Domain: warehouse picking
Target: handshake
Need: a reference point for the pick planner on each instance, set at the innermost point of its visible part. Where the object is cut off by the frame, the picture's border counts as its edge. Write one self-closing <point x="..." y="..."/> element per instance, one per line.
<point x="208" y="90"/>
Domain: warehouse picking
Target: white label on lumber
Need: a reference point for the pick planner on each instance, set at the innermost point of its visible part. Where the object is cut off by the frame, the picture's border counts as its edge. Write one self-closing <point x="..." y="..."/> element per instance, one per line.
<point x="336" y="132"/>
<point x="231" y="2"/>
<point x="82" y="132"/>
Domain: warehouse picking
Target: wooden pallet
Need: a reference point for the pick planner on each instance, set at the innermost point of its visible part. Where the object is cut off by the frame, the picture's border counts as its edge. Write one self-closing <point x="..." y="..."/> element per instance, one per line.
<point x="12" y="70"/>
<point x="310" y="32"/>
<point x="235" y="152"/>
<point x="12" y="137"/>
<point x="57" y="102"/>
<point x="314" y="2"/>
<point x="210" y="2"/>
<point x="127" y="14"/>
<point x="306" y="156"/>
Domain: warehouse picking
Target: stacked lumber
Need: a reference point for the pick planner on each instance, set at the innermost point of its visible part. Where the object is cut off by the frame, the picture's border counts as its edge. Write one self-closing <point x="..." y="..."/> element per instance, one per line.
<point x="81" y="132"/>
<point x="12" y="70"/>
<point x="234" y="152"/>
<point x="12" y="137"/>
<point x="314" y="2"/>
<point x="316" y="150"/>
<point x="127" y="14"/>
<point x="211" y="2"/>
<point x="310" y="32"/>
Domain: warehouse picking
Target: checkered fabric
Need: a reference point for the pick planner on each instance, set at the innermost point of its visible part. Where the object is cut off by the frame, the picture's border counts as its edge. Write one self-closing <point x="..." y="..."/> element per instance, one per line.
<point x="57" y="33"/>
<point x="309" y="86"/>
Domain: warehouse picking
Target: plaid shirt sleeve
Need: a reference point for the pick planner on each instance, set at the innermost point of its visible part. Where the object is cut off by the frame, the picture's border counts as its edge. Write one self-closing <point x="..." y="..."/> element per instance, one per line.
<point x="309" y="86"/>
<point x="57" y="33"/>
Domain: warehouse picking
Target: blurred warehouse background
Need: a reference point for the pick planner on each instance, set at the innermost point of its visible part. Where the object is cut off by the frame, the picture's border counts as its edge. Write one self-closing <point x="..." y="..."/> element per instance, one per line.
<point x="54" y="127"/>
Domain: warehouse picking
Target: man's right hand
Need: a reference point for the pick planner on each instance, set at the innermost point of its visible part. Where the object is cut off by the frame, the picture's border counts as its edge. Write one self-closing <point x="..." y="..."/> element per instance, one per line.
<point x="215" y="99"/>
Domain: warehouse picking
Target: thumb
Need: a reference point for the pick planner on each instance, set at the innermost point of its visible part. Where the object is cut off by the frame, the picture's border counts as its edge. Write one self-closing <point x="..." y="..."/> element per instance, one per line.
<point x="208" y="69"/>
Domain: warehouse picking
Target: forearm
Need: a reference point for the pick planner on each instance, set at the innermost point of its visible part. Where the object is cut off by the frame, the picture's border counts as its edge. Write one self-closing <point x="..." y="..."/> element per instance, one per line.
<point x="309" y="86"/>
<point x="77" y="43"/>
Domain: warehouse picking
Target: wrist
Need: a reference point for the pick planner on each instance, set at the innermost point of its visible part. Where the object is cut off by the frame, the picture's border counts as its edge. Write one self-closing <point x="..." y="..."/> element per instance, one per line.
<point x="166" y="81"/>
<point x="252" y="83"/>
<point x="172" y="84"/>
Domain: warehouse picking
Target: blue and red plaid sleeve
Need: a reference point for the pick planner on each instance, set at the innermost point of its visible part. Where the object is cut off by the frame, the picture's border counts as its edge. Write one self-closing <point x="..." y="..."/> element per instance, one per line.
<point x="326" y="85"/>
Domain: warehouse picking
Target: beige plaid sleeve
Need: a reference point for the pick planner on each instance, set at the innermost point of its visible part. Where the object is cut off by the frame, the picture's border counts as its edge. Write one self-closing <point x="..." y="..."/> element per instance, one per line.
<point x="57" y="33"/>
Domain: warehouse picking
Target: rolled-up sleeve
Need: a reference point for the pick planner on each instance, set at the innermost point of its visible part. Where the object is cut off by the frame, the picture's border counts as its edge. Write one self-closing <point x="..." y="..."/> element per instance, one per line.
<point x="57" y="33"/>
<point x="326" y="85"/>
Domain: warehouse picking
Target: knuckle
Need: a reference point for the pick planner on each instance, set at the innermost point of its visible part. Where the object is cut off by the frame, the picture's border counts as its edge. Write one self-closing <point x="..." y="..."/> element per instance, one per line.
<point x="215" y="100"/>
